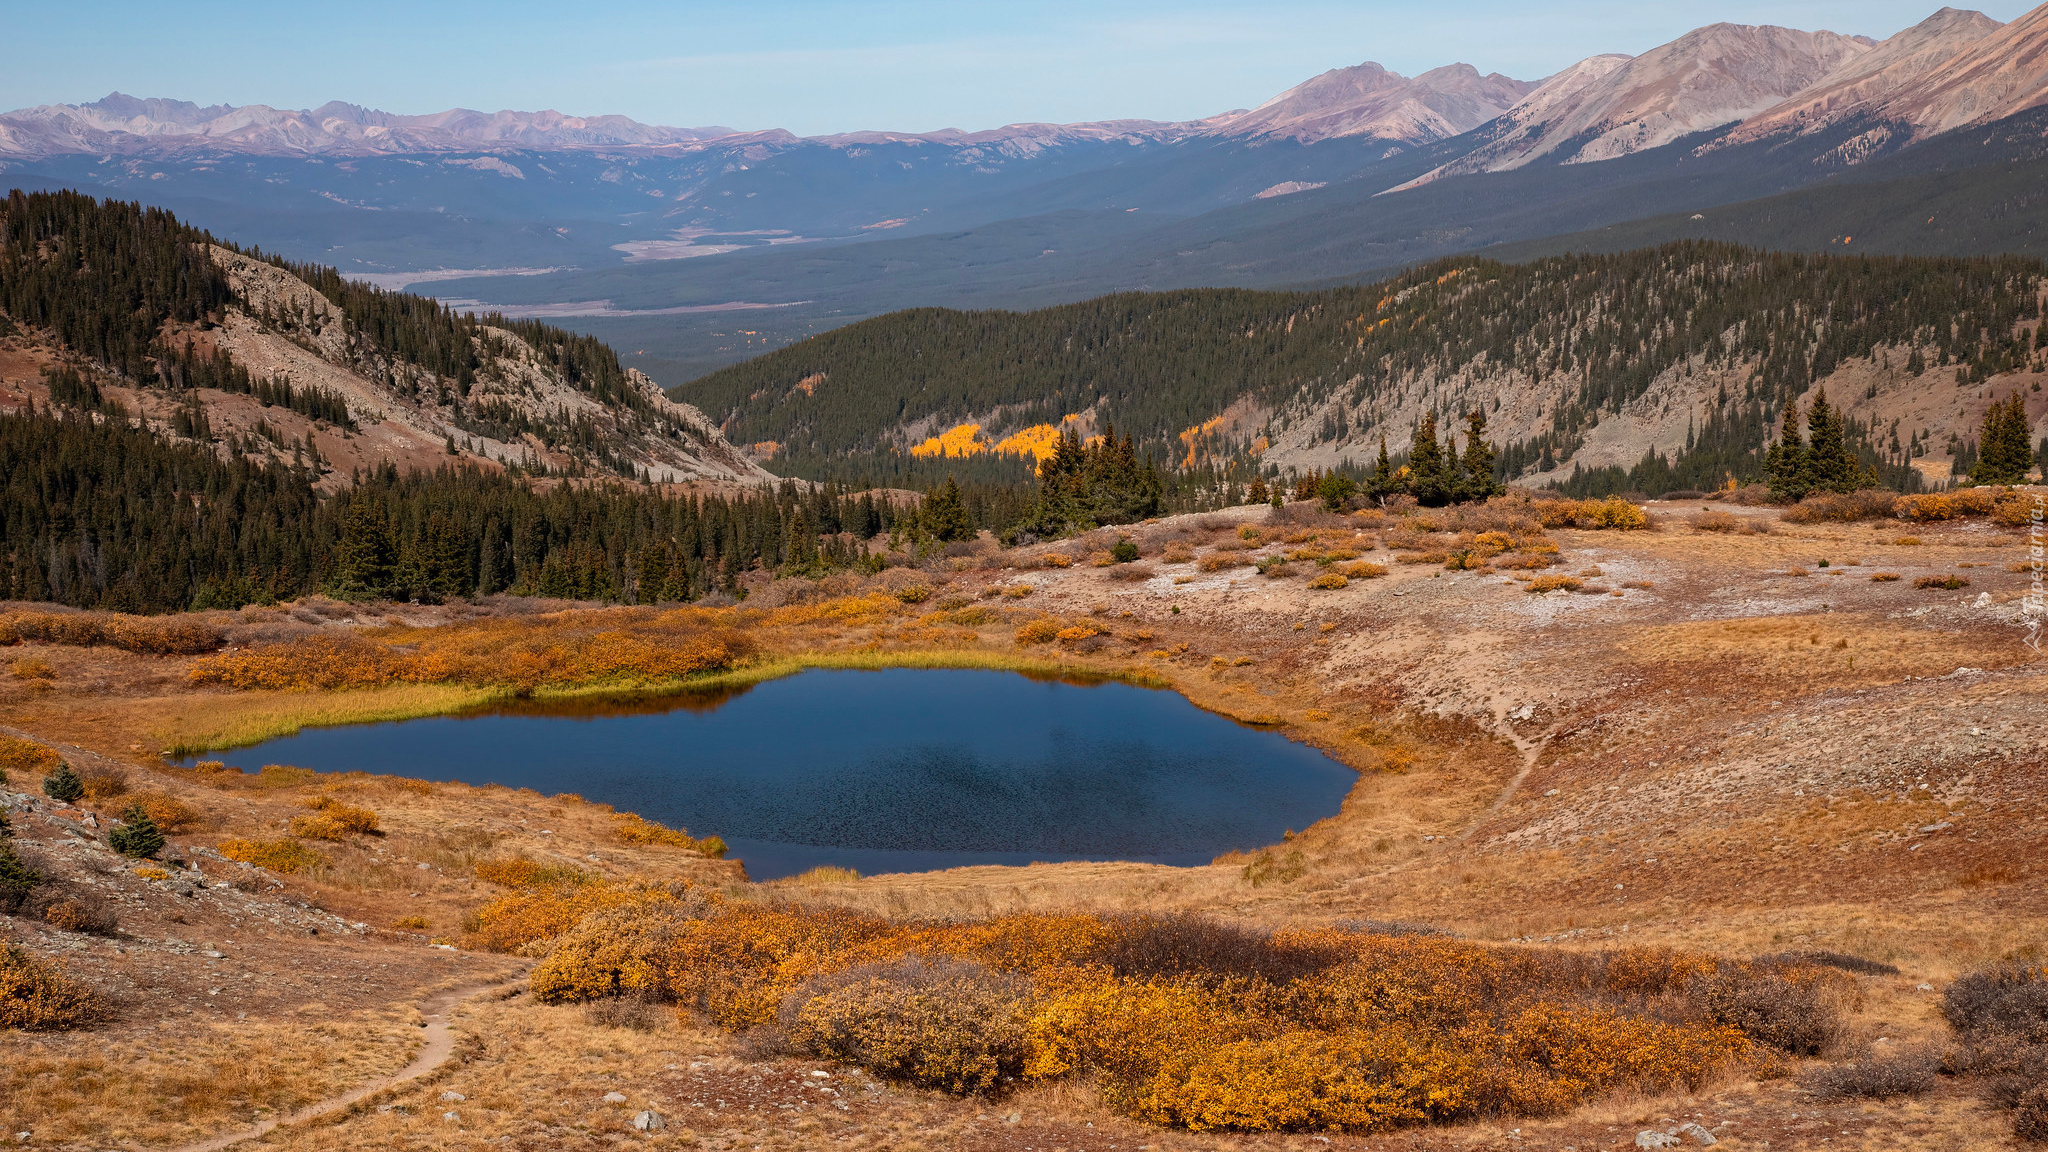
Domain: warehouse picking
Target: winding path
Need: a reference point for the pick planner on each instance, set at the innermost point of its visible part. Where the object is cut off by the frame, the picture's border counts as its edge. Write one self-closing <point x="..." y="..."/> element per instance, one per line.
<point x="437" y="1010"/>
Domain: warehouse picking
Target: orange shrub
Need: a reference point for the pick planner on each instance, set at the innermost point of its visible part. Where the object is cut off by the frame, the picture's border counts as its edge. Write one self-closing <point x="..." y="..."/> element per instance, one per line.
<point x="1363" y="570"/>
<point x="168" y="813"/>
<point x="1931" y="506"/>
<point x="1553" y="583"/>
<point x="1039" y="631"/>
<point x="36" y="996"/>
<point x="331" y="820"/>
<point x="1329" y="580"/>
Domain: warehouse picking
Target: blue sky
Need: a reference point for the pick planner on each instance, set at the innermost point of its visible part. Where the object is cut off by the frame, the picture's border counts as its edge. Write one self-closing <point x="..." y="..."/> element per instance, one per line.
<point x="817" y="66"/>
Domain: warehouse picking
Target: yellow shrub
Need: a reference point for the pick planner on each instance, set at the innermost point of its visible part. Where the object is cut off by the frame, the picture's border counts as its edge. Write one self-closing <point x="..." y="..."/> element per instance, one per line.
<point x="411" y="924"/>
<point x="1421" y="557"/>
<point x="1613" y="512"/>
<point x="1364" y="570"/>
<point x="1220" y="560"/>
<point x="1883" y="577"/>
<point x="26" y="759"/>
<point x="2014" y="510"/>
<point x="1553" y="583"/>
<point x="618" y="948"/>
<point x="1492" y="543"/>
<point x="1357" y="1082"/>
<point x="1328" y="580"/>
<point x="276" y="855"/>
<point x="32" y="668"/>
<point x="520" y="872"/>
<point x="640" y="830"/>
<point x="1081" y="631"/>
<point x="1057" y="560"/>
<point x="36" y="996"/>
<point x="534" y="916"/>
<point x="1976" y="501"/>
<point x="1038" y="632"/>
<point x="1931" y="506"/>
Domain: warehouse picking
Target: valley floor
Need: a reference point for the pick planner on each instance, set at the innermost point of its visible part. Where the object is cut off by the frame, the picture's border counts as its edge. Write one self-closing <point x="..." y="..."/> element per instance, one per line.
<point x="1728" y="737"/>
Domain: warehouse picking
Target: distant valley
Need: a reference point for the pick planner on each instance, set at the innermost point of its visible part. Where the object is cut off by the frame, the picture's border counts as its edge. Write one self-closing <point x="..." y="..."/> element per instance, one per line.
<point x="691" y="248"/>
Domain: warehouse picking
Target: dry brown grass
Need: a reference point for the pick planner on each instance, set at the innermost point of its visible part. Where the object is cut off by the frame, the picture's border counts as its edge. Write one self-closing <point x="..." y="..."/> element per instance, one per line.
<point x="136" y="1090"/>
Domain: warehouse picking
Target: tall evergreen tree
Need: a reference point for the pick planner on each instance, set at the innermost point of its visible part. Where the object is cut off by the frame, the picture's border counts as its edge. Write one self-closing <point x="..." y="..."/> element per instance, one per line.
<point x="1785" y="461"/>
<point x="364" y="563"/>
<point x="1830" y="463"/>
<point x="2005" y="449"/>
<point x="944" y="516"/>
<point x="1478" y="482"/>
<point x="1426" y="479"/>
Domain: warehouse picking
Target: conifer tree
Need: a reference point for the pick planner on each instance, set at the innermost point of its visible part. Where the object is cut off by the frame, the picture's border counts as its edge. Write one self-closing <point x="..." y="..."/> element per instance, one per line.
<point x="16" y="878"/>
<point x="2005" y="451"/>
<point x="6" y="825"/>
<point x="1255" y="493"/>
<point x="1785" y="465"/>
<point x="1426" y="481"/>
<point x="1479" y="483"/>
<point x="363" y="561"/>
<point x="944" y="516"/>
<point x="137" y="835"/>
<point x="1381" y="483"/>
<point x="63" y="785"/>
<point x="1831" y="465"/>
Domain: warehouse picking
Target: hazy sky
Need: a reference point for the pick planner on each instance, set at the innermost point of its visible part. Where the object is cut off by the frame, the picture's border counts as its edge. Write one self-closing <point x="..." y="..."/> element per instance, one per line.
<point x="816" y="66"/>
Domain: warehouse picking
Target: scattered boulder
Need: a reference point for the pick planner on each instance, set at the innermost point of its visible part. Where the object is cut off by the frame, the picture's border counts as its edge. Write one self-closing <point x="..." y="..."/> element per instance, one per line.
<point x="649" y="1122"/>
<point x="1651" y="1138"/>
<point x="615" y="1097"/>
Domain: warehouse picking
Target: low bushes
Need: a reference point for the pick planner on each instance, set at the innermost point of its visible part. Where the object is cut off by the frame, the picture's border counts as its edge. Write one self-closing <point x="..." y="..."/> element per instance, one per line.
<point x="285" y="856"/>
<point x="640" y="830"/>
<point x="2002" y="1015"/>
<point x="937" y="1022"/>
<point x="1554" y="583"/>
<point x="1179" y="1020"/>
<point x="1946" y="583"/>
<point x="151" y="635"/>
<point x="569" y="648"/>
<point x="1611" y="512"/>
<point x="36" y="996"/>
<point x="1843" y="507"/>
<point x="1873" y="1078"/>
<point x="25" y="759"/>
<point x="332" y="820"/>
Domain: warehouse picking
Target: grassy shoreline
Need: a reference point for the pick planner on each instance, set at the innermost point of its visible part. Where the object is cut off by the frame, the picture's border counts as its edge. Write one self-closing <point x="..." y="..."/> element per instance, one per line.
<point x="295" y="711"/>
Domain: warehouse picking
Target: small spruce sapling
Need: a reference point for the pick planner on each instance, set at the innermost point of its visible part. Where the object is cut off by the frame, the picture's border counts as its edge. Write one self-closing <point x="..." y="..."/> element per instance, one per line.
<point x="136" y="835"/>
<point x="1125" y="551"/>
<point x="63" y="785"/>
<point x="16" y="878"/>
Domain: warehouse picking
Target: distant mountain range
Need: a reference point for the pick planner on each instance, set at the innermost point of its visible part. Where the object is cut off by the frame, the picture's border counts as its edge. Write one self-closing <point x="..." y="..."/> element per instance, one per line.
<point x="698" y="246"/>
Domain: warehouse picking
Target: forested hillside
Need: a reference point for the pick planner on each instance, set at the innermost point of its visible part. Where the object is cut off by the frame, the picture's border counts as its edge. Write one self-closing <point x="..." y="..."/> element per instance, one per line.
<point x="1691" y="350"/>
<point x="100" y="514"/>
<point x="128" y="297"/>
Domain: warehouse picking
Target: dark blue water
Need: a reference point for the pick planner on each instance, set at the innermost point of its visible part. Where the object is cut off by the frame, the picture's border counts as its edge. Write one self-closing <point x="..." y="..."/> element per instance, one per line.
<point x="891" y="771"/>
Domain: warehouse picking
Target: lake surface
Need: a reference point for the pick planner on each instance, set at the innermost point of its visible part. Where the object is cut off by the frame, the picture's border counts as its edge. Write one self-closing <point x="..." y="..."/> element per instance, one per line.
<point x="889" y="771"/>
